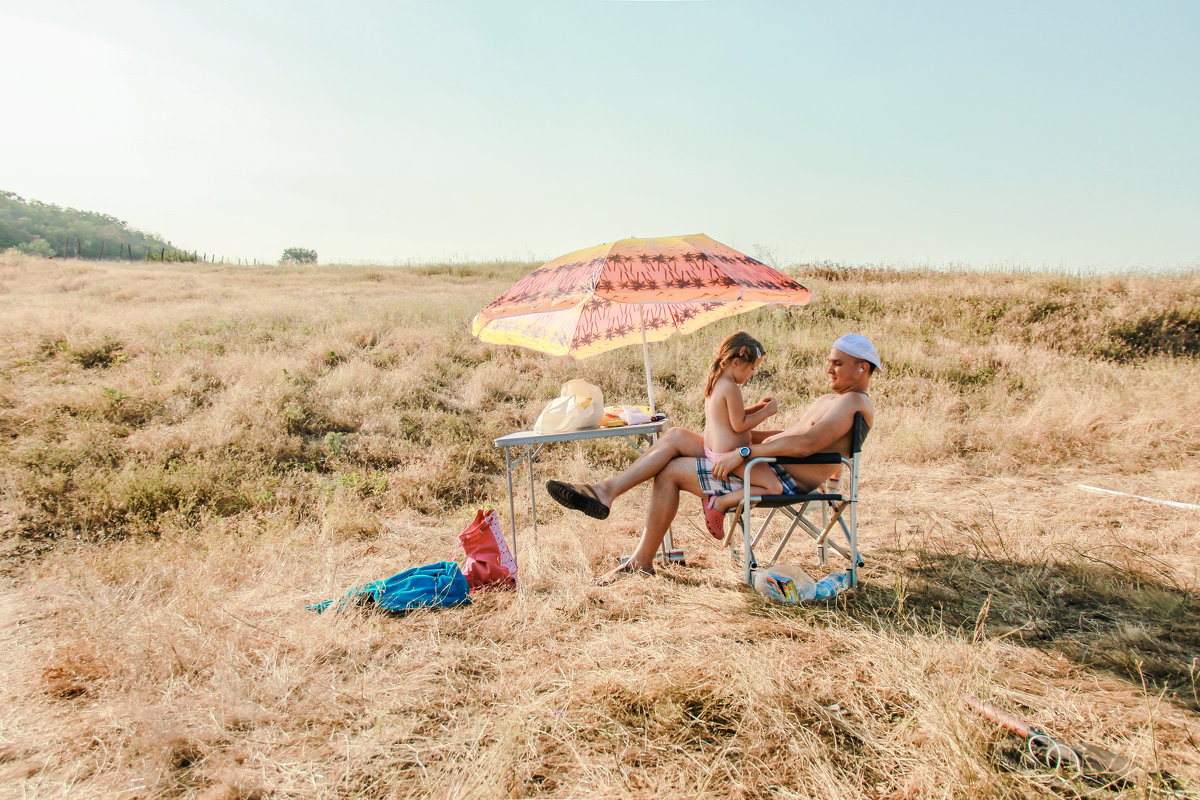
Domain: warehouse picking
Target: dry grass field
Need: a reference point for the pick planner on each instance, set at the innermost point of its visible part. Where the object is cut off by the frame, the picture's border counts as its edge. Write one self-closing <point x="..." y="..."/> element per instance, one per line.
<point x="191" y="454"/>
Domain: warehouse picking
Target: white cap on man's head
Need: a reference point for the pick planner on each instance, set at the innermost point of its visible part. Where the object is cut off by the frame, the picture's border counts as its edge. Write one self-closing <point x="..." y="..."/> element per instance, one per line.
<point x="859" y="346"/>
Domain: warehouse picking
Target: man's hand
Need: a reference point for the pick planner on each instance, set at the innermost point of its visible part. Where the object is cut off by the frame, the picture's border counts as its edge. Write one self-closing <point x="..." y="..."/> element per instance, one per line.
<point x="726" y="464"/>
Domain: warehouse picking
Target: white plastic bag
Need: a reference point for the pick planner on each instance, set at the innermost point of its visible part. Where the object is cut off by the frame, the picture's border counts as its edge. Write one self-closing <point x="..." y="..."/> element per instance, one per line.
<point x="784" y="583"/>
<point x="579" y="405"/>
<point x="631" y="415"/>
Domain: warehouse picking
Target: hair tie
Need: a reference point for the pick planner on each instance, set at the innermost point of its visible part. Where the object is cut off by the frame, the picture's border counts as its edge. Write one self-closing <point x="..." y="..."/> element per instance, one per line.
<point x="742" y="351"/>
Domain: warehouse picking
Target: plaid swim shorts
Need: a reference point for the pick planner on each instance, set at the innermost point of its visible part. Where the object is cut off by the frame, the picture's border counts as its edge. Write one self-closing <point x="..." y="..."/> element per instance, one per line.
<point x="710" y="484"/>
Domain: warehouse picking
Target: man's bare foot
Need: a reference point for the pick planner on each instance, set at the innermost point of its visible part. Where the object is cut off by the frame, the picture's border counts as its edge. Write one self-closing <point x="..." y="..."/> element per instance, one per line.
<point x="604" y="494"/>
<point x="614" y="575"/>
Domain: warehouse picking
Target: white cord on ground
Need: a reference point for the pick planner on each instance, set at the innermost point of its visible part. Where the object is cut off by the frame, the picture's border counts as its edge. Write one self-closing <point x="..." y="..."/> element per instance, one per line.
<point x="1174" y="503"/>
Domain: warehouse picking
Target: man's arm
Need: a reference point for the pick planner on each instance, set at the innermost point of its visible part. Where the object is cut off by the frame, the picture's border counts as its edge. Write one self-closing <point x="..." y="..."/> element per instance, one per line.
<point x="757" y="436"/>
<point x="819" y="438"/>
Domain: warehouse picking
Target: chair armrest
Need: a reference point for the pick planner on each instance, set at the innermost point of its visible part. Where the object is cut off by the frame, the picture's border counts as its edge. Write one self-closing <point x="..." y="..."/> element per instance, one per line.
<point x="815" y="458"/>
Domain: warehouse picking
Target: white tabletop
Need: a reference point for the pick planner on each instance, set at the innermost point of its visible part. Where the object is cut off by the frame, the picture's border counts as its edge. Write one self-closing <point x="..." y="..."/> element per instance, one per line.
<point x="529" y="437"/>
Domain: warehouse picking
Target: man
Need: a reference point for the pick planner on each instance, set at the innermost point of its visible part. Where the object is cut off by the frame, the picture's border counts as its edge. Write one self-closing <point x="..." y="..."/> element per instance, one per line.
<point x="676" y="461"/>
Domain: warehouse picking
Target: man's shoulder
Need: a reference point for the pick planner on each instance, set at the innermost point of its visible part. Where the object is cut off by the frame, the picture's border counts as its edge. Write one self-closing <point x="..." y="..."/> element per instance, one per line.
<point x="845" y="400"/>
<point x="850" y="403"/>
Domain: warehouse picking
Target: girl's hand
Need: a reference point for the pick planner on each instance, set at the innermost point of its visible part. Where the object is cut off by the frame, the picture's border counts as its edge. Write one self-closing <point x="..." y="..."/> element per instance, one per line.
<point x="767" y="407"/>
<point x="760" y="405"/>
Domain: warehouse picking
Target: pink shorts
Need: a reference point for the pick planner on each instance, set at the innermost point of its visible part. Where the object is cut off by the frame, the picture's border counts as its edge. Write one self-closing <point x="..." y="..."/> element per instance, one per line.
<point x="714" y="456"/>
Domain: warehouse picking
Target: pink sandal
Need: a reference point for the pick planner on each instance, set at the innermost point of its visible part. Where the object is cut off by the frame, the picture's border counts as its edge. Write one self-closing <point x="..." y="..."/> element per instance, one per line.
<point x="714" y="519"/>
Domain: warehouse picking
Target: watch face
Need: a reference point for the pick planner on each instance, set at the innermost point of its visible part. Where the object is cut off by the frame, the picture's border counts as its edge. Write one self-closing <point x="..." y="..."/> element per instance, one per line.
<point x="744" y="452"/>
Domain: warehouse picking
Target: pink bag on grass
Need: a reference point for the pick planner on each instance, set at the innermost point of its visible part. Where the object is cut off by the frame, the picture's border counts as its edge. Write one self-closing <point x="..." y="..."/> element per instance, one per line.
<point x="490" y="564"/>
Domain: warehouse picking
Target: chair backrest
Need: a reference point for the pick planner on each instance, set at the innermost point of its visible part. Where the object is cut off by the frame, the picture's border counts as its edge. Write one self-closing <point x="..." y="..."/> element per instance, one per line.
<point x="859" y="432"/>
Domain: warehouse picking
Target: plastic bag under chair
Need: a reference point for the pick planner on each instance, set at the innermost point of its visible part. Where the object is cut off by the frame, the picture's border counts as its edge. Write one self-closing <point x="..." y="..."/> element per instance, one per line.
<point x="578" y="405"/>
<point x="428" y="586"/>
<point x="490" y="564"/>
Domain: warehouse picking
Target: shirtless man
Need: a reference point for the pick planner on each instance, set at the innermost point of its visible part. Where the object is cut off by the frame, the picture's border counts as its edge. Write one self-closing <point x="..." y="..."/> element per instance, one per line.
<point x="677" y="464"/>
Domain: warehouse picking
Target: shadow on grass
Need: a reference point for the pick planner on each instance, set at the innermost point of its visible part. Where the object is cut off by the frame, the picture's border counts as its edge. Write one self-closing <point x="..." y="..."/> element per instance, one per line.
<point x="1102" y="615"/>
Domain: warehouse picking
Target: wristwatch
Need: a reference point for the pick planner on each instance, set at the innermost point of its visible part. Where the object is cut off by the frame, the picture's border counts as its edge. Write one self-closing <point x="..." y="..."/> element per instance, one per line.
<point x="744" y="452"/>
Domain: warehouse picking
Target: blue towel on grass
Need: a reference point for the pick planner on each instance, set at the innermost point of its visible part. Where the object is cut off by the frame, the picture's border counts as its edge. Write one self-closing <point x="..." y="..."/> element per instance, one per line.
<point x="432" y="585"/>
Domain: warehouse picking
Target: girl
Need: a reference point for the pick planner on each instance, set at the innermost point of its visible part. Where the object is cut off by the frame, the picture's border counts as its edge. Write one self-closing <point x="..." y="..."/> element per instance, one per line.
<point x="727" y="422"/>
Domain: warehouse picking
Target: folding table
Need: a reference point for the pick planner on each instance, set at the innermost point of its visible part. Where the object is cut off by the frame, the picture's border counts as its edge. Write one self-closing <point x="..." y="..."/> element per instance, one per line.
<point x="532" y="444"/>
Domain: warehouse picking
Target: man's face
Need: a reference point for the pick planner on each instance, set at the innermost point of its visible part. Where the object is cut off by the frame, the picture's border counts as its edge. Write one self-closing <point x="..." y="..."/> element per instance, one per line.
<point x="844" y="371"/>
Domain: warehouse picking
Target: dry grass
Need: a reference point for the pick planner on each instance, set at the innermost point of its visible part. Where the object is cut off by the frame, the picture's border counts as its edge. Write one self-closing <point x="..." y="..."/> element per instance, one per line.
<point x="193" y="454"/>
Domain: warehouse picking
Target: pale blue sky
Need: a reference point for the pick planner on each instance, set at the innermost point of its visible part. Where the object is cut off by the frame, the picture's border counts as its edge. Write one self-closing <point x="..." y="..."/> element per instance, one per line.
<point x="1029" y="134"/>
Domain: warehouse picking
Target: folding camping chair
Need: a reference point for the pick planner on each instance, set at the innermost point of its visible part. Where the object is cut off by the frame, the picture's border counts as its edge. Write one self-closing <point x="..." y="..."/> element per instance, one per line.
<point x="837" y="502"/>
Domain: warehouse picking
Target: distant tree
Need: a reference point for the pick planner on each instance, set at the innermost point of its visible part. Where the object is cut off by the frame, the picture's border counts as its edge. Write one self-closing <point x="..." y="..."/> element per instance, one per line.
<point x="298" y="255"/>
<point x="38" y="247"/>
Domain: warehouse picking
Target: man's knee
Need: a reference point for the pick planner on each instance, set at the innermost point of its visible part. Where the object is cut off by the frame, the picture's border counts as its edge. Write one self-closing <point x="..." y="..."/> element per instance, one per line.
<point x="683" y="442"/>
<point x="679" y="473"/>
<point x="673" y="436"/>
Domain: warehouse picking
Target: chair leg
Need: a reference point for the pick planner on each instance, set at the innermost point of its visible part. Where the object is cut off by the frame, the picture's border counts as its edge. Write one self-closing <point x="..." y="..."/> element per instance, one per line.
<point x="798" y="519"/>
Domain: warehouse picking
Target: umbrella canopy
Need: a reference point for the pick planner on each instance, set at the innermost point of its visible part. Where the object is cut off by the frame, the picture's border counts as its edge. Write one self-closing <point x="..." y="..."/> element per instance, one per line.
<point x="597" y="326"/>
<point x="631" y="290"/>
<point x="604" y="297"/>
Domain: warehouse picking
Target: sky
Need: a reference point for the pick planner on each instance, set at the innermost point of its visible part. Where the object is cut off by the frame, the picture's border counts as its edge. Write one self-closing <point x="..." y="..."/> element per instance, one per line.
<point x="1045" y="134"/>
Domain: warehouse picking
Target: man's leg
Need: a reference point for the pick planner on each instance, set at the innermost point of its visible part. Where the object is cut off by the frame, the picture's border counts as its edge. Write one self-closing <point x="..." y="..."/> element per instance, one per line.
<point x="595" y="499"/>
<point x="679" y="475"/>
<point x="675" y="443"/>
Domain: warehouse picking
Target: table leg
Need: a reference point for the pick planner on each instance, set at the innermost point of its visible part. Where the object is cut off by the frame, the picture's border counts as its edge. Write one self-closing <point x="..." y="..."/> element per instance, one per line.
<point x="512" y="514"/>
<point x="532" y="497"/>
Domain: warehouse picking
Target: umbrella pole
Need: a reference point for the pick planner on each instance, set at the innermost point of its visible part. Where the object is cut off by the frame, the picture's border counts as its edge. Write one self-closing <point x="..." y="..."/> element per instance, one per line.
<point x="646" y="358"/>
<point x="667" y="550"/>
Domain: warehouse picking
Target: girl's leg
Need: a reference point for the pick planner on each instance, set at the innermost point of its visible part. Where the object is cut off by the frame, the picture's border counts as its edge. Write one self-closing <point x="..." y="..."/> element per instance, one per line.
<point x="765" y="482"/>
<point x="675" y="443"/>
<point x="727" y="501"/>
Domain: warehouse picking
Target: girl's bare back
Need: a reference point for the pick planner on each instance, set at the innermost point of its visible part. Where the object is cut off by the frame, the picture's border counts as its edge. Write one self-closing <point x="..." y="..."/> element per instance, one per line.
<point x="719" y="435"/>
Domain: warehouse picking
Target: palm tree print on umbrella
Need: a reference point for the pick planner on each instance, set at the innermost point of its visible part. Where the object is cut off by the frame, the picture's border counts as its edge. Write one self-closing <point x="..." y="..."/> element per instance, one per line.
<point x="630" y="291"/>
<point x="680" y="269"/>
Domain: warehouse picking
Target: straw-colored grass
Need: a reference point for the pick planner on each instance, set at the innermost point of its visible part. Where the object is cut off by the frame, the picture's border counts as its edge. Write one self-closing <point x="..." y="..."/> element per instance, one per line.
<point x="193" y="454"/>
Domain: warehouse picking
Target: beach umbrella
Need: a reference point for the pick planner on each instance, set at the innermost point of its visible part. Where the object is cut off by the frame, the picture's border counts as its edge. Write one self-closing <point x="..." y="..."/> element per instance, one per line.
<point x="632" y="290"/>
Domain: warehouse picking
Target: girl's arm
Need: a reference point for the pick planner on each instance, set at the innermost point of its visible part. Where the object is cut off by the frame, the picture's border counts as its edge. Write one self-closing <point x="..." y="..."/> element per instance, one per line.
<point x="739" y="419"/>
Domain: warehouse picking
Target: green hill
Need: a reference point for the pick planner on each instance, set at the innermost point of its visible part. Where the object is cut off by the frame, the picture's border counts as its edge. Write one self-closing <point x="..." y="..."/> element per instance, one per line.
<point x="51" y="230"/>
